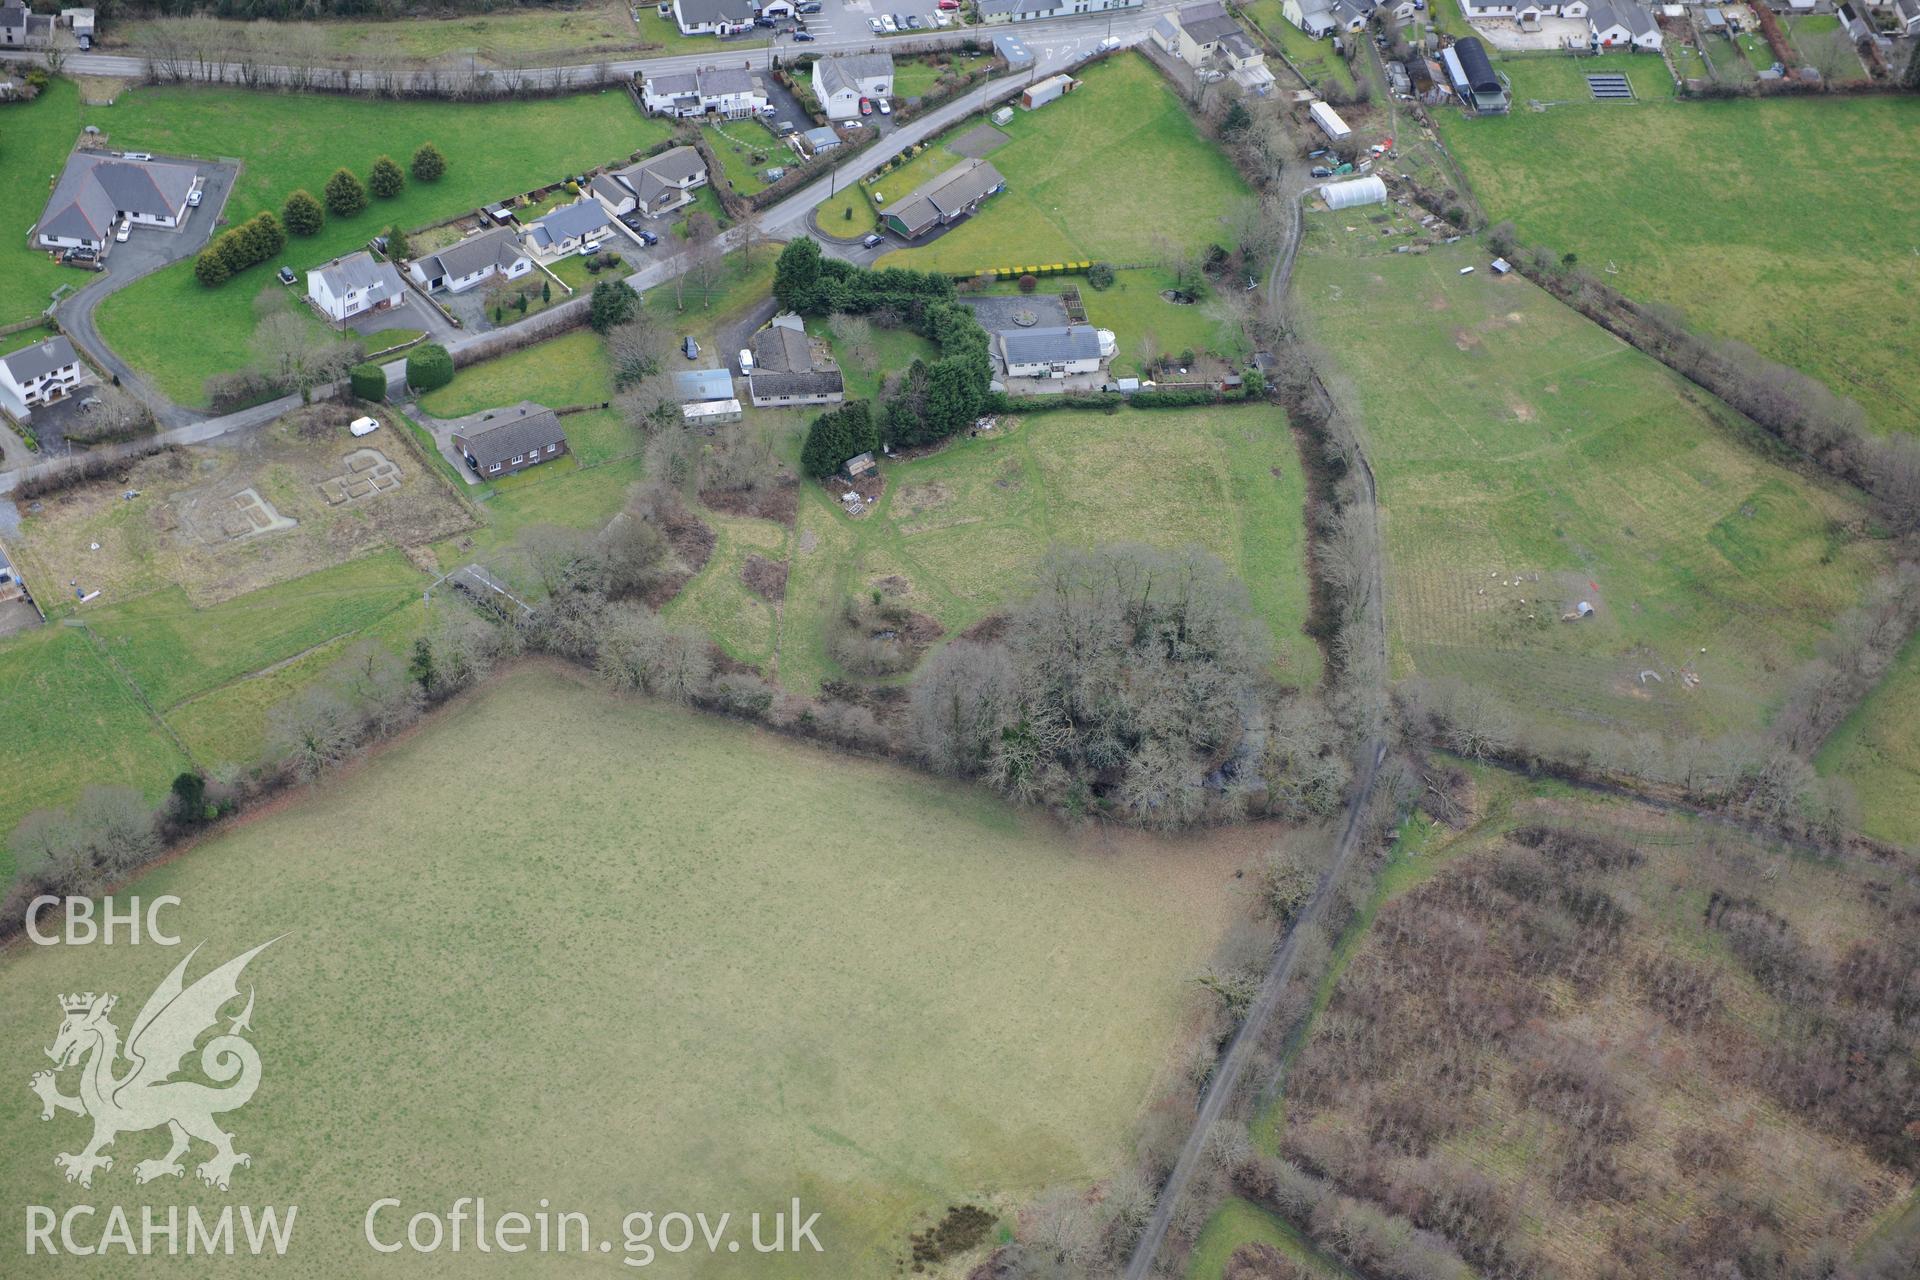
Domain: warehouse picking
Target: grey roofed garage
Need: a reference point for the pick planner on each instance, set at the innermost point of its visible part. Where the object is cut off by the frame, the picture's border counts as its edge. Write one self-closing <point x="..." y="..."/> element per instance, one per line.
<point x="1049" y="345"/>
<point x="42" y="358"/>
<point x="848" y="70"/>
<point x="532" y="431"/>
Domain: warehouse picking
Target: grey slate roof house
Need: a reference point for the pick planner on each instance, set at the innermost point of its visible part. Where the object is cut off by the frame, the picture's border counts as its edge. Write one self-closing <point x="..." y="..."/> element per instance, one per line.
<point x="350" y="286"/>
<point x="786" y="370"/>
<point x="513" y="441"/>
<point x="709" y="17"/>
<point x="840" y="82"/>
<point x="659" y="184"/>
<point x="460" y="267"/>
<point x="97" y="190"/>
<point x="39" y="374"/>
<point x="20" y="29"/>
<point x="1054" y="351"/>
<point x="568" y="228"/>
<point x="945" y="198"/>
<point x="729" y="91"/>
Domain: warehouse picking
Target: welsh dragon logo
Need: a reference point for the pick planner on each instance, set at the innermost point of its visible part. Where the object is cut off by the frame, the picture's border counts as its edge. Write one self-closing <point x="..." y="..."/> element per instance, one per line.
<point x="144" y="1095"/>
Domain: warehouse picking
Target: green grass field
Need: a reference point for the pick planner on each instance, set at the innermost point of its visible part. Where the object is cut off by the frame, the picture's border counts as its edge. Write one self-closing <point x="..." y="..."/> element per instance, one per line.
<point x="1808" y="252"/>
<point x="32" y="152"/>
<point x="1104" y="173"/>
<point x="1528" y="461"/>
<point x="643" y="983"/>
<point x="1239" y="1222"/>
<point x="576" y="31"/>
<point x="1878" y="750"/>
<point x="965" y="526"/>
<point x="180" y="333"/>
<point x="568" y="370"/>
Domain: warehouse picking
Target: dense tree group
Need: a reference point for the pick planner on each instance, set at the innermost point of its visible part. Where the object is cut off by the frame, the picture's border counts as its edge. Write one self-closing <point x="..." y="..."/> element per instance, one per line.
<point x="237" y="248"/>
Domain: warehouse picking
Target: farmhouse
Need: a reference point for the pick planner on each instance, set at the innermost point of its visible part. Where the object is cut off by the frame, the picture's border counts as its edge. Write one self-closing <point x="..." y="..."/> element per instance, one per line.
<point x="1473" y="77"/>
<point x="945" y="198"/>
<point x="788" y="370"/>
<point x="1206" y="38"/>
<point x="475" y="260"/>
<point x="729" y="91"/>
<point x="98" y="191"/>
<point x="1054" y="352"/>
<point x="518" y="439"/>
<point x="354" y="285"/>
<point x="659" y="184"/>
<point x="1622" y="23"/>
<point x="569" y="229"/>
<point x="20" y="29"/>
<point x="38" y="375"/>
<point x="840" y="82"/>
<point x="1034" y="10"/>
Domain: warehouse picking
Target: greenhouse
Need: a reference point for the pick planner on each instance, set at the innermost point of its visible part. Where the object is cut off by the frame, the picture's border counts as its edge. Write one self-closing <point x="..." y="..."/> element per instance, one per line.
<point x="1345" y="195"/>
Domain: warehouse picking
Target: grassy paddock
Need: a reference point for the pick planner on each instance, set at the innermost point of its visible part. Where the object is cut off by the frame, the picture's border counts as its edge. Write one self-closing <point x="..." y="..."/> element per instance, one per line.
<point x="1780" y="223"/>
<point x="642" y="915"/>
<point x="1107" y="172"/>
<point x="963" y="527"/>
<point x="180" y="333"/>
<point x="1878" y="750"/>
<point x="1528" y="461"/>
<point x="576" y="30"/>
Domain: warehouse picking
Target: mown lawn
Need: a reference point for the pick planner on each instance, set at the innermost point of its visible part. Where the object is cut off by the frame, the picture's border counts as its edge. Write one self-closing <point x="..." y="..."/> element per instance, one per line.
<point x="33" y="151"/>
<point x="1528" y="461"/>
<point x="1113" y="171"/>
<point x="569" y="369"/>
<point x="965" y="526"/>
<point x="1783" y="224"/>
<point x="1315" y="58"/>
<point x="180" y="333"/>
<point x="1239" y="1222"/>
<point x="989" y="997"/>
<point x="1878" y="750"/>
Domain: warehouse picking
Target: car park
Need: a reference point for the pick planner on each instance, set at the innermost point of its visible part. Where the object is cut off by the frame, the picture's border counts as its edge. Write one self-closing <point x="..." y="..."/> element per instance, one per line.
<point x="286" y="275"/>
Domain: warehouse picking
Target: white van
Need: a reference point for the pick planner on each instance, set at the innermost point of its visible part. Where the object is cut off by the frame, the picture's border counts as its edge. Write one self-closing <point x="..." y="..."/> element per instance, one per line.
<point x="746" y="362"/>
<point x="364" y="426"/>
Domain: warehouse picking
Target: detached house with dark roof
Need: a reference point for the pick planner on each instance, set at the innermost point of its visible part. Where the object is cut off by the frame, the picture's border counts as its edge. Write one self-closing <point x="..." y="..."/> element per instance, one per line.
<point x="788" y="370"/>
<point x="733" y="92"/>
<point x="840" y="82"/>
<point x="714" y="17"/>
<point x="1054" y="351"/>
<point x="354" y="285"/>
<point x="944" y="198"/>
<point x="97" y="191"/>
<point x="38" y="375"/>
<point x="657" y="185"/>
<point x="1206" y="38"/>
<point x="569" y="229"/>
<point x="475" y="260"/>
<point x="512" y="440"/>
<point x="21" y="29"/>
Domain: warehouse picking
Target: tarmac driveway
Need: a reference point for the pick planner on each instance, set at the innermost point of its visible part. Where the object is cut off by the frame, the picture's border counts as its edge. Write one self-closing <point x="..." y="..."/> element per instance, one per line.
<point x="146" y="251"/>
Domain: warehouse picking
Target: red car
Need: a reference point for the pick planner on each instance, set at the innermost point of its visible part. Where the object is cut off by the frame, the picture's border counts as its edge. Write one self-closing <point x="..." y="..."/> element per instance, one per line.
<point x="866" y="106"/>
<point x="949" y="4"/>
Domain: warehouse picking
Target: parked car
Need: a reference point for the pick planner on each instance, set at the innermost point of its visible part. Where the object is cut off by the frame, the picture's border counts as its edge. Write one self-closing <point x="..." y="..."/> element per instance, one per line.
<point x="811" y="6"/>
<point x="193" y="198"/>
<point x="886" y="108"/>
<point x="866" y="106"/>
<point x="364" y="426"/>
<point x="83" y="256"/>
<point x="913" y="22"/>
<point x="1110" y="44"/>
<point x="586" y="250"/>
<point x="1317" y="153"/>
<point x="873" y="240"/>
<point x="805" y="37"/>
<point x="690" y="347"/>
<point x="121" y="232"/>
<point x="286" y="275"/>
<point x="649" y="239"/>
<point x="746" y="363"/>
<point x="875" y="24"/>
<point x="136" y="155"/>
<point x="1321" y="171"/>
<point x="949" y="4"/>
<point x="784" y="128"/>
<point x="887" y="24"/>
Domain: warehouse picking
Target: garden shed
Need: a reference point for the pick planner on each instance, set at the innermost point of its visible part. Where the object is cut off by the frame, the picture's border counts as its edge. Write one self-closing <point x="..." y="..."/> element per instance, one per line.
<point x="1345" y="195"/>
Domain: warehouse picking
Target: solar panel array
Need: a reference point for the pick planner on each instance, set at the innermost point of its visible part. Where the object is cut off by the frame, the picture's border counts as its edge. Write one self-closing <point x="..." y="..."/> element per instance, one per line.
<point x="1610" y="88"/>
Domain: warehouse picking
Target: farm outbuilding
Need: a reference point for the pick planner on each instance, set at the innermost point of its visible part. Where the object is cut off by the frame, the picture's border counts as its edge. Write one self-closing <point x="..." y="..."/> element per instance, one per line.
<point x="1039" y="95"/>
<point x="1346" y="195"/>
<point x="1329" y="121"/>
